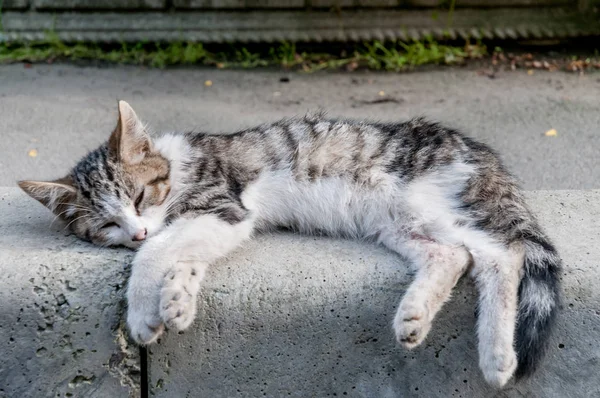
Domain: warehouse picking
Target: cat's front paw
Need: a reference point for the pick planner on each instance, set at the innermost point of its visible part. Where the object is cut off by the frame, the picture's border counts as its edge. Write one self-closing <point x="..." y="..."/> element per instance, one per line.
<point x="144" y="327"/>
<point x="411" y="324"/>
<point x="143" y="319"/>
<point x="178" y="299"/>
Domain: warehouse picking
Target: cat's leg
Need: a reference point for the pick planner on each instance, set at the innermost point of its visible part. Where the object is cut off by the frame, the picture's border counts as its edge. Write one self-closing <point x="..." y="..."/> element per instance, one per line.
<point x="168" y="269"/>
<point x="439" y="267"/>
<point x="497" y="279"/>
<point x="148" y="268"/>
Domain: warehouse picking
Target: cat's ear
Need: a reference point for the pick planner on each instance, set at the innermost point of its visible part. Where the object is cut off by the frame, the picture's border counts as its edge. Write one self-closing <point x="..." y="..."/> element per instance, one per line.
<point x="56" y="195"/>
<point x="129" y="142"/>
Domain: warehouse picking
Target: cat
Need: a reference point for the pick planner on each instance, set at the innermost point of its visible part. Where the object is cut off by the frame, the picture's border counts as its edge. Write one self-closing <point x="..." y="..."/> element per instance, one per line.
<point x="429" y="193"/>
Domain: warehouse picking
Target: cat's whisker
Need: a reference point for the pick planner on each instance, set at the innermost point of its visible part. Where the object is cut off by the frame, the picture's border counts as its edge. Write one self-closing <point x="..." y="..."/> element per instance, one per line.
<point x="74" y="205"/>
<point x="72" y="221"/>
<point x="63" y="212"/>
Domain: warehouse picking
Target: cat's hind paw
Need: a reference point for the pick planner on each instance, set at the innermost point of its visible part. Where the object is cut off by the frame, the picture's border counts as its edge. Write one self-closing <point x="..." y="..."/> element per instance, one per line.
<point x="498" y="369"/>
<point x="178" y="300"/>
<point x="411" y="324"/>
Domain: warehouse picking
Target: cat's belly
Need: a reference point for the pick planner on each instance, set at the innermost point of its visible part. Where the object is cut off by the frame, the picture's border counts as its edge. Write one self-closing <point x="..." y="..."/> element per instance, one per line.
<point x="333" y="205"/>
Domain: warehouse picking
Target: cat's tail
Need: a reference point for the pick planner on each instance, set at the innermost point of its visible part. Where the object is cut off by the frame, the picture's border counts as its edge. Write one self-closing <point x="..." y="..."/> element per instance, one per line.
<point x="538" y="299"/>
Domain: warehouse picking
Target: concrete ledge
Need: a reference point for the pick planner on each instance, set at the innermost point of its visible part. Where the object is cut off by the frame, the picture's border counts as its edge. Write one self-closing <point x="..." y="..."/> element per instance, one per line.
<point x="311" y="317"/>
<point x="284" y="316"/>
<point x="61" y="310"/>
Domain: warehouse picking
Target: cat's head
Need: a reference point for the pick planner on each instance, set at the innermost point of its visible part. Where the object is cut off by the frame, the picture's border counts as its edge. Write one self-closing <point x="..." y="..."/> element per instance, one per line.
<point x="111" y="196"/>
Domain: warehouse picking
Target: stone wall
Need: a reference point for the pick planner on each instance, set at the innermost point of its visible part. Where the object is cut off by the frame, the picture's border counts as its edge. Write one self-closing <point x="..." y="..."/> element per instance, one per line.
<point x="294" y="20"/>
<point x="72" y="5"/>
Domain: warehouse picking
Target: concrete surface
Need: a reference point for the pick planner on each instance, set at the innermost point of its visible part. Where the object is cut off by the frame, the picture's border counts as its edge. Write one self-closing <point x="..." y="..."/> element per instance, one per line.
<point x="311" y="317"/>
<point x="61" y="310"/>
<point x="307" y="316"/>
<point x="63" y="111"/>
<point x="284" y="316"/>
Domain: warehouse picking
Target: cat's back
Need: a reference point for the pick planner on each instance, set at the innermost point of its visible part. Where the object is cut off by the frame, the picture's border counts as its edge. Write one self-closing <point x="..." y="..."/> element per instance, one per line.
<point x="315" y="146"/>
<point x="321" y="146"/>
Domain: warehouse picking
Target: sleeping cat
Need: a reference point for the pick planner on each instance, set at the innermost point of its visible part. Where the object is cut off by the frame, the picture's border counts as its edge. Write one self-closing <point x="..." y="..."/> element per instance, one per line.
<point x="436" y="197"/>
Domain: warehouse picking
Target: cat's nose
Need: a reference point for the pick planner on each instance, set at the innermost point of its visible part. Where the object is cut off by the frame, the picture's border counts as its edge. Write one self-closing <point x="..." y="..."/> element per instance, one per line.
<point x="140" y="235"/>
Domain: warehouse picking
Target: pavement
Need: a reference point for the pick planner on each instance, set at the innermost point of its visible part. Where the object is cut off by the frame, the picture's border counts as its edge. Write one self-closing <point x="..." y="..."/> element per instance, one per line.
<point x="287" y="315"/>
<point x="63" y="111"/>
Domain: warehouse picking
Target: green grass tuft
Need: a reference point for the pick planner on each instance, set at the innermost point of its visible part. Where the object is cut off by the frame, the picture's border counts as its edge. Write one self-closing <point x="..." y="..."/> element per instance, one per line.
<point x="400" y="56"/>
<point x="389" y="56"/>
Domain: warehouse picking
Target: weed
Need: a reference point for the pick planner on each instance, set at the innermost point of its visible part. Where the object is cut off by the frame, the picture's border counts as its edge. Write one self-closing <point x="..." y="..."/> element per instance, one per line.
<point x="399" y="56"/>
<point x="389" y="56"/>
<point x="285" y="55"/>
<point x="451" y="13"/>
<point x="245" y="59"/>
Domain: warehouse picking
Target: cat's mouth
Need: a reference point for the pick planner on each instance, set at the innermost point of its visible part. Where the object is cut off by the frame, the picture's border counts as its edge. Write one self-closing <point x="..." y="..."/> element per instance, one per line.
<point x="134" y="245"/>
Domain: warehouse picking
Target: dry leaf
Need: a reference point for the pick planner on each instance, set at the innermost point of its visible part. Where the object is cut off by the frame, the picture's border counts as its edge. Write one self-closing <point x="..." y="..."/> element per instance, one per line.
<point x="208" y="83"/>
<point x="33" y="153"/>
<point x="381" y="93"/>
<point x="530" y="72"/>
<point x="551" y="133"/>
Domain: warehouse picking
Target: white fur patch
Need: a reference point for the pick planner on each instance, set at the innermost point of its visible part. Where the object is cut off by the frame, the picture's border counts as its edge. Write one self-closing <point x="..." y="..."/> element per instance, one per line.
<point x="331" y="205"/>
<point x="184" y="246"/>
<point x="419" y="220"/>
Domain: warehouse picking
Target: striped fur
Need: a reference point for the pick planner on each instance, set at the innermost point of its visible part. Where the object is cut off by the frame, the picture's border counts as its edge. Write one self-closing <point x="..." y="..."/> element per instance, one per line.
<point x="425" y="191"/>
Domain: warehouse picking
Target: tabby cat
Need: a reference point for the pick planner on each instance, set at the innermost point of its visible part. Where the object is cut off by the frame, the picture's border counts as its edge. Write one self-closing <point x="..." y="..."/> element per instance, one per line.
<point x="429" y="193"/>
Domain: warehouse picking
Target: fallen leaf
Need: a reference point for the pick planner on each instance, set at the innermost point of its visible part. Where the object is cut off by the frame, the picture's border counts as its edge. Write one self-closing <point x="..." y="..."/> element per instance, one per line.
<point x="551" y="133"/>
<point x="352" y="66"/>
<point x="381" y="93"/>
<point x="33" y="153"/>
<point x="208" y="83"/>
<point x="530" y="72"/>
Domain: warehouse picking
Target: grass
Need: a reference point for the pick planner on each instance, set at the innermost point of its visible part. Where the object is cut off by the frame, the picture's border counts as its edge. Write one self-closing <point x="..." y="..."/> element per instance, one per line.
<point x="389" y="56"/>
<point x="402" y="55"/>
<point x="156" y="55"/>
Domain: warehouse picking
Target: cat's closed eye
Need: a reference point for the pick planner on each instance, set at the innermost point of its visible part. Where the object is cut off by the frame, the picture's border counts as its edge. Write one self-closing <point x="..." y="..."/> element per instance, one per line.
<point x="138" y="200"/>
<point x="110" y="225"/>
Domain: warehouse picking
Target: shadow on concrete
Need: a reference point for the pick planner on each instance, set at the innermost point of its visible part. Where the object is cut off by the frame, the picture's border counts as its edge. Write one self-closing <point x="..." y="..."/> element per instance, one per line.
<point x="274" y="323"/>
